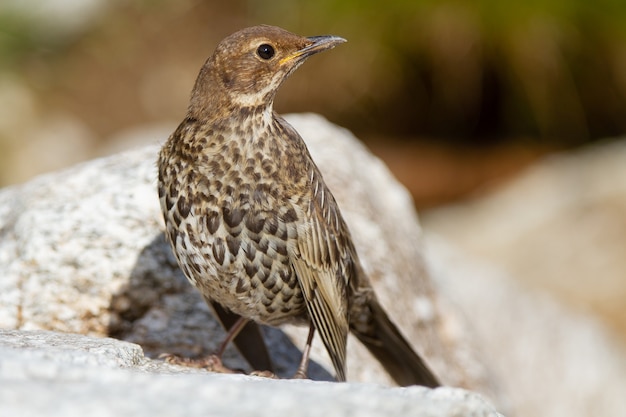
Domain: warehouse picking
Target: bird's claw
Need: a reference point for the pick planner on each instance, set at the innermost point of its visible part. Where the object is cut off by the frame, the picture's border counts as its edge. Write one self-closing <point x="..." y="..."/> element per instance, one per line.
<point x="264" y="374"/>
<point x="300" y="375"/>
<point x="211" y="363"/>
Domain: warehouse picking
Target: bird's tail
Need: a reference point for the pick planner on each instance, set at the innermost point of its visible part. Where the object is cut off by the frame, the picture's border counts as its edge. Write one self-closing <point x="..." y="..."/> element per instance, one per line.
<point x="393" y="351"/>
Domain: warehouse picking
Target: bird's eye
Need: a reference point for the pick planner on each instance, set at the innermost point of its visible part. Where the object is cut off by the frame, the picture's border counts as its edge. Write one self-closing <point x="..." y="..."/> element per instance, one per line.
<point x="265" y="51"/>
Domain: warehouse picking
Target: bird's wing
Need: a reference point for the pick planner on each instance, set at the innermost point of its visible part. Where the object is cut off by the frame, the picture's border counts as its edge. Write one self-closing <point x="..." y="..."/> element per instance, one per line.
<point x="323" y="266"/>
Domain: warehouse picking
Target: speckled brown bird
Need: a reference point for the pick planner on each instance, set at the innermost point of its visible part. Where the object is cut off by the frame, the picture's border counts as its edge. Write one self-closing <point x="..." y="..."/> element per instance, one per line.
<point x="250" y="219"/>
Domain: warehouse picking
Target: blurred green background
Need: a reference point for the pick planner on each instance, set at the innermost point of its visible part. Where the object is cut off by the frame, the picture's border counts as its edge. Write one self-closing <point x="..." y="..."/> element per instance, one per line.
<point x="454" y="95"/>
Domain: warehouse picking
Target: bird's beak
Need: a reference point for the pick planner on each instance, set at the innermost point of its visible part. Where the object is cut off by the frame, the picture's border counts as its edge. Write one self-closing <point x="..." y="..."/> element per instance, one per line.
<point x="319" y="44"/>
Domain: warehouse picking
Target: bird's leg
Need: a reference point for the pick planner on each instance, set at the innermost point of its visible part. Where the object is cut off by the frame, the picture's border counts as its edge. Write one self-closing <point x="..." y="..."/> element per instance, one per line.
<point x="213" y="362"/>
<point x="231" y="335"/>
<point x="301" y="373"/>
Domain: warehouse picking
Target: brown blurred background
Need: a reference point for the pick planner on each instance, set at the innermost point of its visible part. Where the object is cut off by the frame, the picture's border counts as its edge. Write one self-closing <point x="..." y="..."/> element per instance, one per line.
<point x="472" y="90"/>
<point x="455" y="96"/>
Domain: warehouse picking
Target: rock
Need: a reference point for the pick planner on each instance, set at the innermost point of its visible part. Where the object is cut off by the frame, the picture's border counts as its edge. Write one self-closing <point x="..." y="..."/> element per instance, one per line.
<point x="559" y="227"/>
<point x="52" y="374"/>
<point x="557" y="232"/>
<point x="22" y="349"/>
<point x="549" y="360"/>
<point x="82" y="251"/>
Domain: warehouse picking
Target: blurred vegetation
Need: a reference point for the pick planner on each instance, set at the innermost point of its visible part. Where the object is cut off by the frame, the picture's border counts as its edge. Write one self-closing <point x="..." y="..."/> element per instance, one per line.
<point x="550" y="71"/>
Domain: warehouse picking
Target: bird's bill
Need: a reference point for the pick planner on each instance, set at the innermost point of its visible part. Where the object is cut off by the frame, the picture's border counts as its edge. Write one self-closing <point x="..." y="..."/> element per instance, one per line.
<point x="320" y="43"/>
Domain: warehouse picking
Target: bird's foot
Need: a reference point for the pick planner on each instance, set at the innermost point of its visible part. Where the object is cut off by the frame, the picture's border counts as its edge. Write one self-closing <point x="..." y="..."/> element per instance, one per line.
<point x="264" y="374"/>
<point x="212" y="363"/>
<point x="300" y="374"/>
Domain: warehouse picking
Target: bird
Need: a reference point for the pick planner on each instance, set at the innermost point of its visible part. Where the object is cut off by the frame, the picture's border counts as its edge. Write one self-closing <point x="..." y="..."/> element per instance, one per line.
<point x="252" y="223"/>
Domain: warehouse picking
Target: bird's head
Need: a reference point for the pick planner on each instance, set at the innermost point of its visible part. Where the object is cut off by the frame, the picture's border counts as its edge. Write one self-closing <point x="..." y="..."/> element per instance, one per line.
<point x="247" y="67"/>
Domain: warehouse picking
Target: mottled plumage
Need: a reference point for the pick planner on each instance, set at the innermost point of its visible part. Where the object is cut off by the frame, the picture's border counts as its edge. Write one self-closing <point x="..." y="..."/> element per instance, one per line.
<point x="248" y="214"/>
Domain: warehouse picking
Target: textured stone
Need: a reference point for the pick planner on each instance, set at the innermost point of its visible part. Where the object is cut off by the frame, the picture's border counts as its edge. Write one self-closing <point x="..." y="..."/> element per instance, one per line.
<point x="82" y="251"/>
<point x="52" y="374"/>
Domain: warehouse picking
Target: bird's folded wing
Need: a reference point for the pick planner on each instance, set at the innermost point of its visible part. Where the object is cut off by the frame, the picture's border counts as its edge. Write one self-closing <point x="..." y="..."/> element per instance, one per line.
<point x="323" y="310"/>
<point x="324" y="288"/>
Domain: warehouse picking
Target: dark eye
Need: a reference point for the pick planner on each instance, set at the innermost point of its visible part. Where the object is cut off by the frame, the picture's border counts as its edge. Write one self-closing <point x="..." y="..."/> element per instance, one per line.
<point x="265" y="51"/>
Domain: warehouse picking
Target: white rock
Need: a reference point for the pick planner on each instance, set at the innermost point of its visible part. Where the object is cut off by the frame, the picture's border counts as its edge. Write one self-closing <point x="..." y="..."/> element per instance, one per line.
<point x="43" y="373"/>
<point x="82" y="251"/>
<point x="549" y="361"/>
<point x="559" y="226"/>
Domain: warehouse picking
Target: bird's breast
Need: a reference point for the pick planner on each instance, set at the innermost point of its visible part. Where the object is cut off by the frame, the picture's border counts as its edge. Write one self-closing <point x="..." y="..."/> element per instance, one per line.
<point x="233" y="229"/>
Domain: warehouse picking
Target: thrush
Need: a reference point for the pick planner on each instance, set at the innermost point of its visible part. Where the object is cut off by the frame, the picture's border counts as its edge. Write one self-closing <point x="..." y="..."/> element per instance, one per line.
<point x="251" y="222"/>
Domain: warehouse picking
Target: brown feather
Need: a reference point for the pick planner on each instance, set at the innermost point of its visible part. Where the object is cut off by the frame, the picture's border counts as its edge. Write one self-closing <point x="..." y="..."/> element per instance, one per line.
<point x="249" y="217"/>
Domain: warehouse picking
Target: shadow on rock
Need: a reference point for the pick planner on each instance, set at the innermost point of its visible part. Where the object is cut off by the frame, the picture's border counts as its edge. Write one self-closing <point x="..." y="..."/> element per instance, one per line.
<point x="159" y="310"/>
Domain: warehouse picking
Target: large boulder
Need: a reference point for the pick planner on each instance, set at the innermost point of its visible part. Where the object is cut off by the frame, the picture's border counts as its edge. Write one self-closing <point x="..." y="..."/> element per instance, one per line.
<point x="555" y="235"/>
<point x="56" y="374"/>
<point x="559" y="226"/>
<point x="82" y="251"/>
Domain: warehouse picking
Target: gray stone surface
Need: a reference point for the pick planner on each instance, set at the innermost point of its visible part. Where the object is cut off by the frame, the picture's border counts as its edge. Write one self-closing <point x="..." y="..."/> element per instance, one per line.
<point x="558" y="227"/>
<point x="82" y="251"/>
<point x="549" y="360"/>
<point x="52" y="374"/>
<point x="22" y="348"/>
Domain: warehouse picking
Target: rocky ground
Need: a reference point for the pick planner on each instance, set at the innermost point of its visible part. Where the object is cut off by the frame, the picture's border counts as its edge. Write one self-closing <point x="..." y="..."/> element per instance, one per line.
<point x="82" y="252"/>
<point x="54" y="374"/>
